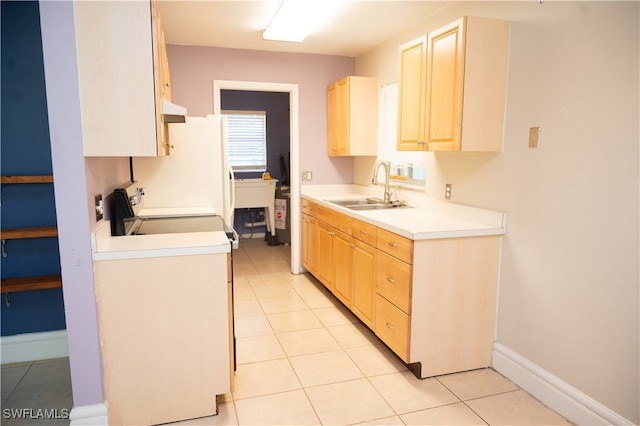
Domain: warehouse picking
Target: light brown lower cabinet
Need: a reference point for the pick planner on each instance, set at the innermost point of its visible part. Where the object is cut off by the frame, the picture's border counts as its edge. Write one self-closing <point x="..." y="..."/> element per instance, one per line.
<point x="364" y="261"/>
<point x="343" y="278"/>
<point x="432" y="302"/>
<point x="325" y="256"/>
<point x="309" y="249"/>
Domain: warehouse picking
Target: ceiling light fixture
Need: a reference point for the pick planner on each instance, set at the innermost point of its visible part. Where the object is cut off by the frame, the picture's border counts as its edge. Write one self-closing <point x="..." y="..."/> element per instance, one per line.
<point x="296" y="19"/>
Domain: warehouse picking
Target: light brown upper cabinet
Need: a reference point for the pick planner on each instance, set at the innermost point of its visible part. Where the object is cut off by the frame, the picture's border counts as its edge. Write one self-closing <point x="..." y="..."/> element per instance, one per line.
<point x="411" y="95"/>
<point x="123" y="77"/>
<point x="464" y="91"/>
<point x="352" y="117"/>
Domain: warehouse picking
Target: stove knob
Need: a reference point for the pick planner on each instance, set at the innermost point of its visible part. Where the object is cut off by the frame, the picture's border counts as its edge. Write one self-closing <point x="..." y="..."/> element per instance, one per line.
<point x="142" y="191"/>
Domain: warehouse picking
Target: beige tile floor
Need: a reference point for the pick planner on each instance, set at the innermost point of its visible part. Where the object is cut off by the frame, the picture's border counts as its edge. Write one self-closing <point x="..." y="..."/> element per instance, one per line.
<point x="303" y="359"/>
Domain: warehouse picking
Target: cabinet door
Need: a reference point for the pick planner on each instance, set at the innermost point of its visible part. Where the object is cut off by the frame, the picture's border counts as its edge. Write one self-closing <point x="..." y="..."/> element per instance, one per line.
<point x="338" y="118"/>
<point x="343" y="252"/>
<point x="309" y="243"/>
<point x="364" y="261"/>
<point x="333" y="120"/>
<point x="162" y="79"/>
<point x="344" y="116"/>
<point x="115" y="70"/>
<point x="445" y="83"/>
<point x="324" y="266"/>
<point x="411" y="95"/>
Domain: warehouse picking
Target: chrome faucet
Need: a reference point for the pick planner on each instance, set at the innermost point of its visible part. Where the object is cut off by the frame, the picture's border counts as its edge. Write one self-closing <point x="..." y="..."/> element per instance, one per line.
<point x="387" y="171"/>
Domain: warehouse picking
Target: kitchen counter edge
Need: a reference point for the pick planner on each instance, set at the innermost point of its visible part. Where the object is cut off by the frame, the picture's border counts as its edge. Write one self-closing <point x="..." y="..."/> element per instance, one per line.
<point x="440" y="219"/>
<point x="107" y="247"/>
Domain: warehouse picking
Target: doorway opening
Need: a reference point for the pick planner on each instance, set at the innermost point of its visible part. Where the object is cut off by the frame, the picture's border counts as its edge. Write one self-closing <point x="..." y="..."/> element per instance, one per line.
<point x="292" y="89"/>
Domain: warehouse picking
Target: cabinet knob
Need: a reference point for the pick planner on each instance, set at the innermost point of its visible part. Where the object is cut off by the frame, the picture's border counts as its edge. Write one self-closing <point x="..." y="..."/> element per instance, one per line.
<point x="391" y="280"/>
<point x="393" y="245"/>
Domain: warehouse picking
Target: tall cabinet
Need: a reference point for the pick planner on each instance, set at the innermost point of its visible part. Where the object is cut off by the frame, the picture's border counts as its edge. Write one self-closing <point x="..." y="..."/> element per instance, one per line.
<point x="460" y="106"/>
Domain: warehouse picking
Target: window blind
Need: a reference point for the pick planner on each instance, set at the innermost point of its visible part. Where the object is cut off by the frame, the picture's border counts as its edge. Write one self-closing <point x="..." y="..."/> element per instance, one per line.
<point x="247" y="140"/>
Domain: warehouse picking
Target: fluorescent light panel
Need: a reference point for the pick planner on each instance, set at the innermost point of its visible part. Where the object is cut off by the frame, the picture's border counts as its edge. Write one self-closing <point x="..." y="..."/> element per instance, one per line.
<point x="296" y="19"/>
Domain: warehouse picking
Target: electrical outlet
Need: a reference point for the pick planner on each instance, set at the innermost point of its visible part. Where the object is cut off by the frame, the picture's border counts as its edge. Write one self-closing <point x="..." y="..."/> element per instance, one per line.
<point x="99" y="207"/>
<point x="534" y="134"/>
<point x="307" y="175"/>
<point x="447" y="191"/>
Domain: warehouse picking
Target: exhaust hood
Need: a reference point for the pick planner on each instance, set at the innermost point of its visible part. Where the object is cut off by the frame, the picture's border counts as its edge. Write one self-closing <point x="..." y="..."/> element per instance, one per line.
<point x="172" y="113"/>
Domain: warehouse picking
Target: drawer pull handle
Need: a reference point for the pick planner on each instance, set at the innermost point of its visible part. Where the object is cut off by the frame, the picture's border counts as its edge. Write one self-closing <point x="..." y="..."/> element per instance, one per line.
<point x="390" y="326"/>
<point x="363" y="233"/>
<point x="394" y="245"/>
<point x="331" y="233"/>
<point x="391" y="280"/>
<point x="352" y="245"/>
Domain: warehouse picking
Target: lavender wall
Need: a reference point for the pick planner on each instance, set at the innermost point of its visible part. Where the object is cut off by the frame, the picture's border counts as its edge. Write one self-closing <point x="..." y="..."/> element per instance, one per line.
<point x="193" y="69"/>
<point x="63" y="100"/>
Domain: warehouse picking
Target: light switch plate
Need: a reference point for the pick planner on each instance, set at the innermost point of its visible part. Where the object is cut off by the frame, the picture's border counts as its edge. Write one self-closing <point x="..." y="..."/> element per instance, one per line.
<point x="307" y="176"/>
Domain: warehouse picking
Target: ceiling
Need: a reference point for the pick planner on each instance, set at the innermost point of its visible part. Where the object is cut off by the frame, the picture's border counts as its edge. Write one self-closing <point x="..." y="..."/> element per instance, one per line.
<point x="355" y="28"/>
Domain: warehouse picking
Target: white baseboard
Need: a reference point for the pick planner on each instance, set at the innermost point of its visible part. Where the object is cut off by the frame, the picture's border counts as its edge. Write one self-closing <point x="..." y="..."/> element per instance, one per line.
<point x="34" y="346"/>
<point x="94" y="415"/>
<point x="552" y="391"/>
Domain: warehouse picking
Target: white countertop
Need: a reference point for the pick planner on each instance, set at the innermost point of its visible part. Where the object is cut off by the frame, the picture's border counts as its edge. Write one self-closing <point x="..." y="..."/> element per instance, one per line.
<point x="427" y="218"/>
<point x="107" y="247"/>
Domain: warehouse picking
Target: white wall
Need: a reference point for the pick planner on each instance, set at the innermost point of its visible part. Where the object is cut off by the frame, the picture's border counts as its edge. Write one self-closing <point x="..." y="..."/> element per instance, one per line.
<point x="568" y="299"/>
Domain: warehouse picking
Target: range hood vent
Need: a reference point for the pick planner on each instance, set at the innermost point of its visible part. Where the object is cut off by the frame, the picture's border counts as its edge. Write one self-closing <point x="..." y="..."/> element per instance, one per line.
<point x="172" y="113"/>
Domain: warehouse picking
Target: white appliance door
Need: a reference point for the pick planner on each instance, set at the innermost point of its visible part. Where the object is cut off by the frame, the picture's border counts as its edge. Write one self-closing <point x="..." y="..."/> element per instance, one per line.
<point x="227" y="177"/>
<point x="192" y="178"/>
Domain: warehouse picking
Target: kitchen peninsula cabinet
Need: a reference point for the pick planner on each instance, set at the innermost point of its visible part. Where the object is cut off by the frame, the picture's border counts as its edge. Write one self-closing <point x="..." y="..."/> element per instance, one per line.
<point x="123" y="78"/>
<point x="430" y="299"/>
<point x="352" y="116"/>
<point x="165" y="321"/>
<point x="464" y="91"/>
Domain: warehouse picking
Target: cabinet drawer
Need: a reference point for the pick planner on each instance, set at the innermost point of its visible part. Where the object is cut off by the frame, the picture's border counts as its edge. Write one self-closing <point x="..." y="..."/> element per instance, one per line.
<point x="324" y="213"/>
<point x="392" y="326"/>
<point x="395" y="245"/>
<point x="393" y="281"/>
<point x="364" y="231"/>
<point x="308" y="207"/>
<point x="341" y="222"/>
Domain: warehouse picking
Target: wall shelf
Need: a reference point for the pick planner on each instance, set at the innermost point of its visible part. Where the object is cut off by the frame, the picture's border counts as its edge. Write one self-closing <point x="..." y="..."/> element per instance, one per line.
<point x="43" y="282"/>
<point x="28" y="283"/>
<point x="29" y="232"/>
<point x="26" y="179"/>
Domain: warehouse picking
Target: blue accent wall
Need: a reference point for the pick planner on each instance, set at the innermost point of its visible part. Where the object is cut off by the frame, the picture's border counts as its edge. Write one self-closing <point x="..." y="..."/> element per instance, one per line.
<point x="25" y="149"/>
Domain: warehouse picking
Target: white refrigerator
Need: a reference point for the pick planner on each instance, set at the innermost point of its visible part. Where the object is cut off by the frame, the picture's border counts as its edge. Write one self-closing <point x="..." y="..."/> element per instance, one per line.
<point x="196" y="178"/>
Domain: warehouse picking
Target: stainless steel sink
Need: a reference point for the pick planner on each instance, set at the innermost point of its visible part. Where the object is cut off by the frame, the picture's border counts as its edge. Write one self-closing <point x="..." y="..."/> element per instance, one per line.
<point x="366" y="204"/>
